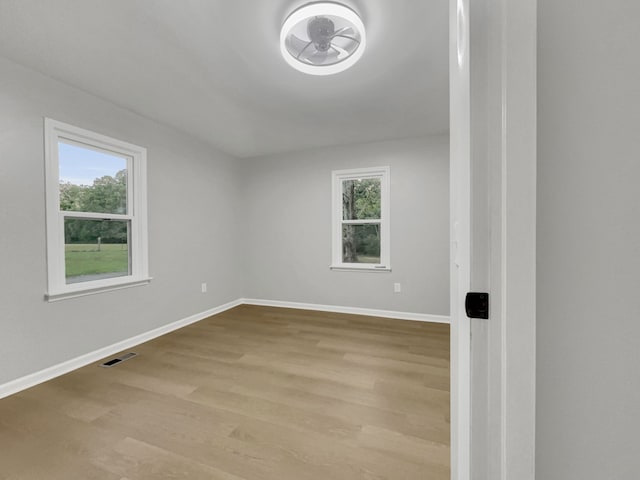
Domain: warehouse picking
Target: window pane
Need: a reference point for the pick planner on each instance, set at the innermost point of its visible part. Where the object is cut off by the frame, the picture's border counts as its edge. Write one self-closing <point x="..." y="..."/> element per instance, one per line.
<point x="361" y="199"/>
<point x="95" y="249"/>
<point x="92" y="181"/>
<point x="361" y="243"/>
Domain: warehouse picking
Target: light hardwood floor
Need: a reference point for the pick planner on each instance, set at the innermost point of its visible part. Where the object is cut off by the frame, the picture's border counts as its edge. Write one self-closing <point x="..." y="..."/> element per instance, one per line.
<point x="254" y="393"/>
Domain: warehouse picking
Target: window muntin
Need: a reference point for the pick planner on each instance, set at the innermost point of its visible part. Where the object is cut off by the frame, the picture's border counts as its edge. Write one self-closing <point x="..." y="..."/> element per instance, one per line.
<point x="96" y="212"/>
<point x="361" y="219"/>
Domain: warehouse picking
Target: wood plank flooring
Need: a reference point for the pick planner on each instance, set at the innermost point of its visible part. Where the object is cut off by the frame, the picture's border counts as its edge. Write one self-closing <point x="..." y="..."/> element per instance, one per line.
<point x="254" y="393"/>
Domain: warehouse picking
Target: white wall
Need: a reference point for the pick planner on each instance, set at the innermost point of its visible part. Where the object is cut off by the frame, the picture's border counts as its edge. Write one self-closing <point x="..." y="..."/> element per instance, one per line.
<point x="192" y="229"/>
<point x="287" y="227"/>
<point x="588" y="335"/>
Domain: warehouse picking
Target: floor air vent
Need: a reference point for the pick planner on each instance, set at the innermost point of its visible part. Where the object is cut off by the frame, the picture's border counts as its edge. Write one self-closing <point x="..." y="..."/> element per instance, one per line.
<point x="119" y="359"/>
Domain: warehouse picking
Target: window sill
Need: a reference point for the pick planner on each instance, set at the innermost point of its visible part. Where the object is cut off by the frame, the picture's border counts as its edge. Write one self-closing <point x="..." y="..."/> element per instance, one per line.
<point x="359" y="268"/>
<point x="55" y="297"/>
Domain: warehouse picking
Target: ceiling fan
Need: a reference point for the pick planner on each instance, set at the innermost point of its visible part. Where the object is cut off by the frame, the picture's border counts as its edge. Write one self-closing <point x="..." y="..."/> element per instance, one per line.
<point x="322" y="38"/>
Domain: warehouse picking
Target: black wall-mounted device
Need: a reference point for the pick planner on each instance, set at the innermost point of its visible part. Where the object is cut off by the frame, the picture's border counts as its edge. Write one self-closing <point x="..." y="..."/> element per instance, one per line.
<point x="476" y="305"/>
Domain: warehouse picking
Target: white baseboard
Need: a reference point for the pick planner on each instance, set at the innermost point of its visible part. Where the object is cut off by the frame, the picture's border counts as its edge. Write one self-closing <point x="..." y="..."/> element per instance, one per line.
<point x="22" y="383"/>
<point x="418" y="317"/>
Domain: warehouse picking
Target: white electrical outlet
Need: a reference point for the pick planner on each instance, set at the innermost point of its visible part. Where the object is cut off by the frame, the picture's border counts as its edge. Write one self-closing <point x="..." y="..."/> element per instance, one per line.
<point x="397" y="288"/>
<point x="204" y="287"/>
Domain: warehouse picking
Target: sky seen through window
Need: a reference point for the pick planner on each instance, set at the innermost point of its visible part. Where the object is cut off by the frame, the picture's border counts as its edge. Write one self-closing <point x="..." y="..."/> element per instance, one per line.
<point x="81" y="166"/>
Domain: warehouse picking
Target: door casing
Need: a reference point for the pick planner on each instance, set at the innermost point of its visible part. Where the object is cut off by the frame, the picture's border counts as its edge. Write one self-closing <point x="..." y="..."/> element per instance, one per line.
<point x="493" y="158"/>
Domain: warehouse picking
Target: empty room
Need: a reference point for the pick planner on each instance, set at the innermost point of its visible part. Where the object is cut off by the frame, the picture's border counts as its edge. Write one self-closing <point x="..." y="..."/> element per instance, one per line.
<point x="283" y="239"/>
<point x="229" y="254"/>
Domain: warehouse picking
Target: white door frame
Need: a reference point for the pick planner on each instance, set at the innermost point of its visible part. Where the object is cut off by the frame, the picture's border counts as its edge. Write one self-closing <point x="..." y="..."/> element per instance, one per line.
<point x="460" y="235"/>
<point x="510" y="124"/>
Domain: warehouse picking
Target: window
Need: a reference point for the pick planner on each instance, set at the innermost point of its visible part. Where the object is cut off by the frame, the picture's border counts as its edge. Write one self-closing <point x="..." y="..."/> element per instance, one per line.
<point x="361" y="219"/>
<point x="96" y="212"/>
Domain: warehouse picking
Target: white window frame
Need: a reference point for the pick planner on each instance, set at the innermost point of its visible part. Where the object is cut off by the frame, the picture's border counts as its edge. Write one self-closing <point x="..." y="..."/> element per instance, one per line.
<point x="339" y="176"/>
<point x="136" y="214"/>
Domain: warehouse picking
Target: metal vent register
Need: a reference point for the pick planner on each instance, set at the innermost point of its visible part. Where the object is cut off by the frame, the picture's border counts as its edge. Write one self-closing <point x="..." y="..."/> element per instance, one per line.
<point x="118" y="360"/>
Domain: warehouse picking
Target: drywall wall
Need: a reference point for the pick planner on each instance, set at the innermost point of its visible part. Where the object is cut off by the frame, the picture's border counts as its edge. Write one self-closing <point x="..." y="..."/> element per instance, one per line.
<point x="287" y="227"/>
<point x="588" y="246"/>
<point x="192" y="229"/>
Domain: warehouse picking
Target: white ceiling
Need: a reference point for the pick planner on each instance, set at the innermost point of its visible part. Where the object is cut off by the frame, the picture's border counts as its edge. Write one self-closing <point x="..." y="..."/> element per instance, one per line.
<point x="213" y="69"/>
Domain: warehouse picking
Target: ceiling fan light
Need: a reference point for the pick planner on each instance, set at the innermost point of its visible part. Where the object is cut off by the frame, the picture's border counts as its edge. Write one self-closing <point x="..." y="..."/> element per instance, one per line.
<point x="322" y="38"/>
